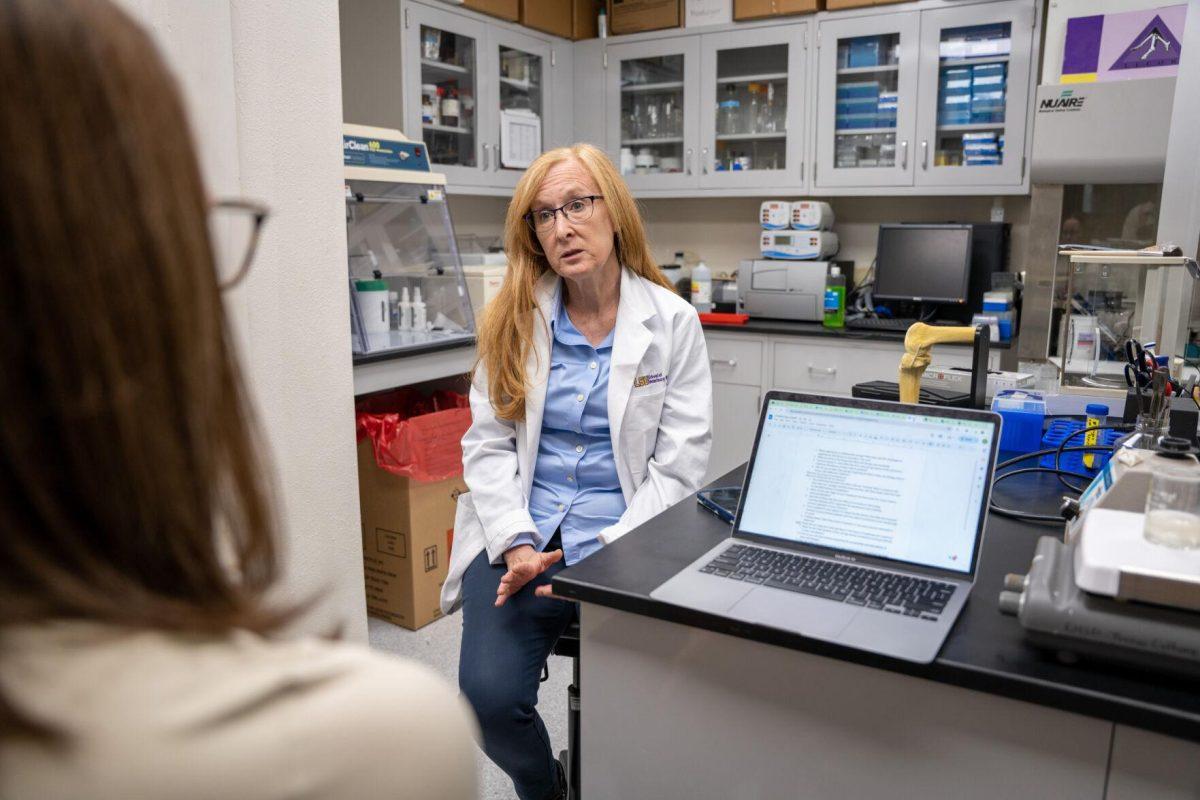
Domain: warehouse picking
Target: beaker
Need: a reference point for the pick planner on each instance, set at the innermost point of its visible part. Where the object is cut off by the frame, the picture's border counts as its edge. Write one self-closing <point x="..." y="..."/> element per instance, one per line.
<point x="1173" y="509"/>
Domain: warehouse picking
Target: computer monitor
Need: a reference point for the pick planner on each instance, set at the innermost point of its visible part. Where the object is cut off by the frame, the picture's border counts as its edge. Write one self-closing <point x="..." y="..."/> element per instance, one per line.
<point x="923" y="263"/>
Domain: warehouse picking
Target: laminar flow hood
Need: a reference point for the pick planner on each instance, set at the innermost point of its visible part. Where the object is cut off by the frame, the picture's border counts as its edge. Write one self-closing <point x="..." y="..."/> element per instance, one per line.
<point x="1107" y="132"/>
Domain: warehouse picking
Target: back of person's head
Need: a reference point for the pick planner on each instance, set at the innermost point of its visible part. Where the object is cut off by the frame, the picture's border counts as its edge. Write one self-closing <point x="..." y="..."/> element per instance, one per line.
<point x="129" y="488"/>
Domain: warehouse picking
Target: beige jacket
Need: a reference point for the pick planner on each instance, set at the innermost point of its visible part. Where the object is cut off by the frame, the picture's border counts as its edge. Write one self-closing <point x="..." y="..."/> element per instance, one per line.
<point x="153" y="715"/>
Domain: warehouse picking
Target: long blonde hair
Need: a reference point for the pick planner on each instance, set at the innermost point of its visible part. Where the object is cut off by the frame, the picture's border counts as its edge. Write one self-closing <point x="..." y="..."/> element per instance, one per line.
<point x="506" y="330"/>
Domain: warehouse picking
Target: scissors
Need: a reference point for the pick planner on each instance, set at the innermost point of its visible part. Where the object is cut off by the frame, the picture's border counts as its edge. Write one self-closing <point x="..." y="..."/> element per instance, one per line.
<point x="1139" y="357"/>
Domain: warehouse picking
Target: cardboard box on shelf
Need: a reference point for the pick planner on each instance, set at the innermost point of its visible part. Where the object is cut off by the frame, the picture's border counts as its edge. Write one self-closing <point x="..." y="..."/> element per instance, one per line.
<point x="635" y="16"/>
<point x="504" y="9"/>
<point x="761" y="9"/>
<point x="407" y="533"/>
<point x="835" y="5"/>
<point x="707" y="12"/>
<point x="570" y="19"/>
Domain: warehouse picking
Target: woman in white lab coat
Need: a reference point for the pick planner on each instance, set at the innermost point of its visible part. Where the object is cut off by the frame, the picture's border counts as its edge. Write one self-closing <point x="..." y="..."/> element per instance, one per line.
<point x="592" y="413"/>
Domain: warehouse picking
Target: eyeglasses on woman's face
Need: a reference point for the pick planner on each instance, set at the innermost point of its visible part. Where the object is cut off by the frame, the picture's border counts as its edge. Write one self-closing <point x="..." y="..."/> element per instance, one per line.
<point x="234" y="226"/>
<point x="577" y="210"/>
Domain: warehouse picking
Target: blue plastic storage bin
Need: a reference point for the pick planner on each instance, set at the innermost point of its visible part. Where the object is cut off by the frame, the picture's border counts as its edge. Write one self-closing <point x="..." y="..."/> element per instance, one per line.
<point x="1023" y="414"/>
<point x="864" y="52"/>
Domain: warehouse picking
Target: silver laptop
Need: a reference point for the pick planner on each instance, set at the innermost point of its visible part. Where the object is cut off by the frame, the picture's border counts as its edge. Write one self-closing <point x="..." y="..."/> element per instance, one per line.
<point x="860" y="523"/>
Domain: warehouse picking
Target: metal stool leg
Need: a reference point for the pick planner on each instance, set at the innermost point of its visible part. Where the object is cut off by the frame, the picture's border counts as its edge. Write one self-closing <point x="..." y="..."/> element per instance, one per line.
<point x="573" y="709"/>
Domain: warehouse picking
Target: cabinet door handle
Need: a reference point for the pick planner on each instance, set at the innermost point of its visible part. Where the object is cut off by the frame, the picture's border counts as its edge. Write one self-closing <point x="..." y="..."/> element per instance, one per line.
<point x="496" y="157"/>
<point x="485" y="158"/>
<point x="822" y="371"/>
<point x="689" y="160"/>
<point x="704" y="161"/>
<point x="924" y="154"/>
<point x="904" y="154"/>
<point x="729" y="362"/>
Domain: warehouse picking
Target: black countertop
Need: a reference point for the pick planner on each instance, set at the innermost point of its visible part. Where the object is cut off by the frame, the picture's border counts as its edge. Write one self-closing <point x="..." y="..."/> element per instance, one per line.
<point x="986" y="651"/>
<point x="793" y="328"/>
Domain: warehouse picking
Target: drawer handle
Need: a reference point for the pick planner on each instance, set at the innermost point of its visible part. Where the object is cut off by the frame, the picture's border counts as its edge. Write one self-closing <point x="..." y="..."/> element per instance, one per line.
<point x="729" y="362"/>
<point x="826" y="371"/>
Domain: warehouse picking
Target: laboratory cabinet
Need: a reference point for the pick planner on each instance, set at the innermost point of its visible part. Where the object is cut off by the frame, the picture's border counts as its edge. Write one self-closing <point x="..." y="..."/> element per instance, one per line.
<point x="481" y="95"/>
<point x="716" y="111"/>
<point x="928" y="98"/>
<point x="924" y="98"/>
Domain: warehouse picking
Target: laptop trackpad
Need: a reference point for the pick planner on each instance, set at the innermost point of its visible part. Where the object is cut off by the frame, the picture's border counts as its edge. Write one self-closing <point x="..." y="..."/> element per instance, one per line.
<point x="810" y="616"/>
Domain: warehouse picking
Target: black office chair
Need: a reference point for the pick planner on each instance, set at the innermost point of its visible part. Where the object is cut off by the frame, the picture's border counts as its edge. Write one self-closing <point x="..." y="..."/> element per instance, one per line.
<point x="568" y="645"/>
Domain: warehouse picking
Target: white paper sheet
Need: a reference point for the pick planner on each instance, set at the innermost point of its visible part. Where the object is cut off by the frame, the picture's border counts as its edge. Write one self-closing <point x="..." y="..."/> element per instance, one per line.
<point x="520" y="137"/>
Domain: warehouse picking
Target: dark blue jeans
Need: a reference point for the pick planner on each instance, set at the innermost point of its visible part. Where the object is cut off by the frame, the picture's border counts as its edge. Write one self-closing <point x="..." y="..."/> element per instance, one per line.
<point x="500" y="664"/>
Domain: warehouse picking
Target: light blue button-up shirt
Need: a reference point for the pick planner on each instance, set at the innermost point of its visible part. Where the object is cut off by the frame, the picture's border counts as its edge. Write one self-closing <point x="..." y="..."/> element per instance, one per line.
<point x="575" y="485"/>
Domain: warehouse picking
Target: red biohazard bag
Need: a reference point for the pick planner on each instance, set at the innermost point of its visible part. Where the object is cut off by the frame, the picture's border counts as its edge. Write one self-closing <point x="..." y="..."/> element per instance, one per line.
<point x="414" y="435"/>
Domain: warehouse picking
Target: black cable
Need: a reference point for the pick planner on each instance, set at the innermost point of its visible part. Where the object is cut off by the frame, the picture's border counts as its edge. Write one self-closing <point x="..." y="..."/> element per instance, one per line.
<point x="1022" y="515"/>
<point x="1072" y="435"/>
<point x="1057" y="470"/>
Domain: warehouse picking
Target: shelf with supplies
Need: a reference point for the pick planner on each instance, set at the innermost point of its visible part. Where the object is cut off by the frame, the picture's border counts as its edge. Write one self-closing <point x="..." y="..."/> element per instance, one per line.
<point x="750" y="137"/>
<point x="973" y="126"/>
<point x="761" y="78"/>
<point x="441" y="66"/>
<point x="446" y="129"/>
<point x="666" y="86"/>
<point x="868" y="70"/>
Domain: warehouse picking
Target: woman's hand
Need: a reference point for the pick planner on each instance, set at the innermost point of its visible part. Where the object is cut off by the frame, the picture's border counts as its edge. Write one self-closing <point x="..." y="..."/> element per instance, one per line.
<point x="524" y="564"/>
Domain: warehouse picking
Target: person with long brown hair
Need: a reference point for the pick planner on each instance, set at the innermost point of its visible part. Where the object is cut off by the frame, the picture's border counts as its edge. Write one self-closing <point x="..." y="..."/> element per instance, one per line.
<point x="138" y="657"/>
<point x="591" y="413"/>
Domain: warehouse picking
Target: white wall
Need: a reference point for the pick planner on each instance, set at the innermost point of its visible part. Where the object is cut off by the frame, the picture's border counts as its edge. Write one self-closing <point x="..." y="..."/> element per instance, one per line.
<point x="263" y="86"/>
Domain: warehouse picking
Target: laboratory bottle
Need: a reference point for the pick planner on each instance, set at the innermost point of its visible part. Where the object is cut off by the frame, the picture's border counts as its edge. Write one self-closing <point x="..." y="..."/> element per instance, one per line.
<point x="418" y="311"/>
<point x="702" y="288"/>
<point x="405" y="310"/>
<point x="766" y="114"/>
<point x="835" y="299"/>
<point x="754" y="109"/>
<point x="729" y="111"/>
<point x="394" y="310"/>
<point x="450" y="109"/>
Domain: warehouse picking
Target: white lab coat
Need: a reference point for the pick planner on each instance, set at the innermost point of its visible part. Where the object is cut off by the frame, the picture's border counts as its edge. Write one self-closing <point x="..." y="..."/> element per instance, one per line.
<point x="659" y="412"/>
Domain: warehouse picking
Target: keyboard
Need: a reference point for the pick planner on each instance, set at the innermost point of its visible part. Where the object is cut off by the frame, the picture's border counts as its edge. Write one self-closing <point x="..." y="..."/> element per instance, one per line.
<point x="880" y="324"/>
<point x="909" y="595"/>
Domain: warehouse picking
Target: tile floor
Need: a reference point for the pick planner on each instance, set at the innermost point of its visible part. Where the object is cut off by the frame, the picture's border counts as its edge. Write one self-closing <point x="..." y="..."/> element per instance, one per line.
<point x="437" y="645"/>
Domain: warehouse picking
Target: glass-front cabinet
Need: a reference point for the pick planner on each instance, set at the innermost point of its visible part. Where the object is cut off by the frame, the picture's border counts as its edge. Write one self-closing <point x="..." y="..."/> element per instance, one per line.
<point x="866" y="100"/>
<point x="751" y="107"/>
<point x="974" y="91"/>
<point x="652" y="130"/>
<point x="518" y="114"/>
<point x="476" y="94"/>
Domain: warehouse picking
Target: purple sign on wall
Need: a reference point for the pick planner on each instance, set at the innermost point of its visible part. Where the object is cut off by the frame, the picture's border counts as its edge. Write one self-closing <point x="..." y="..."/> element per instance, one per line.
<point x="1124" y="46"/>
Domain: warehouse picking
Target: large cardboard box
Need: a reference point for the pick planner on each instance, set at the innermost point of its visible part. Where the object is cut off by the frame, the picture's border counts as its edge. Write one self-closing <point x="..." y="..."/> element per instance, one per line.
<point x="570" y="19"/>
<point x="635" y="16"/>
<point x="762" y="9"/>
<point x="834" y="5"/>
<point x="504" y="9"/>
<point x="407" y="533"/>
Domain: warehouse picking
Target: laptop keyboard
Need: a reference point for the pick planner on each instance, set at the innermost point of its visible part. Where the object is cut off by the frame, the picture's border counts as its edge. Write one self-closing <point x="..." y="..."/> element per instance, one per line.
<point x="859" y="586"/>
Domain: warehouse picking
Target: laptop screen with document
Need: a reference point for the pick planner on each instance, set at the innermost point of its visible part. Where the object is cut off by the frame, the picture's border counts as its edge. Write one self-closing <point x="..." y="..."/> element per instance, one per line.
<point x="860" y="477"/>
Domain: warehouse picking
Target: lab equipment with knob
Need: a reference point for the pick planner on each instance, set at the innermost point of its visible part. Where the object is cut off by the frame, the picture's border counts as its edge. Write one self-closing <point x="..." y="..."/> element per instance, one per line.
<point x="798" y="245"/>
<point x="1124" y="584"/>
